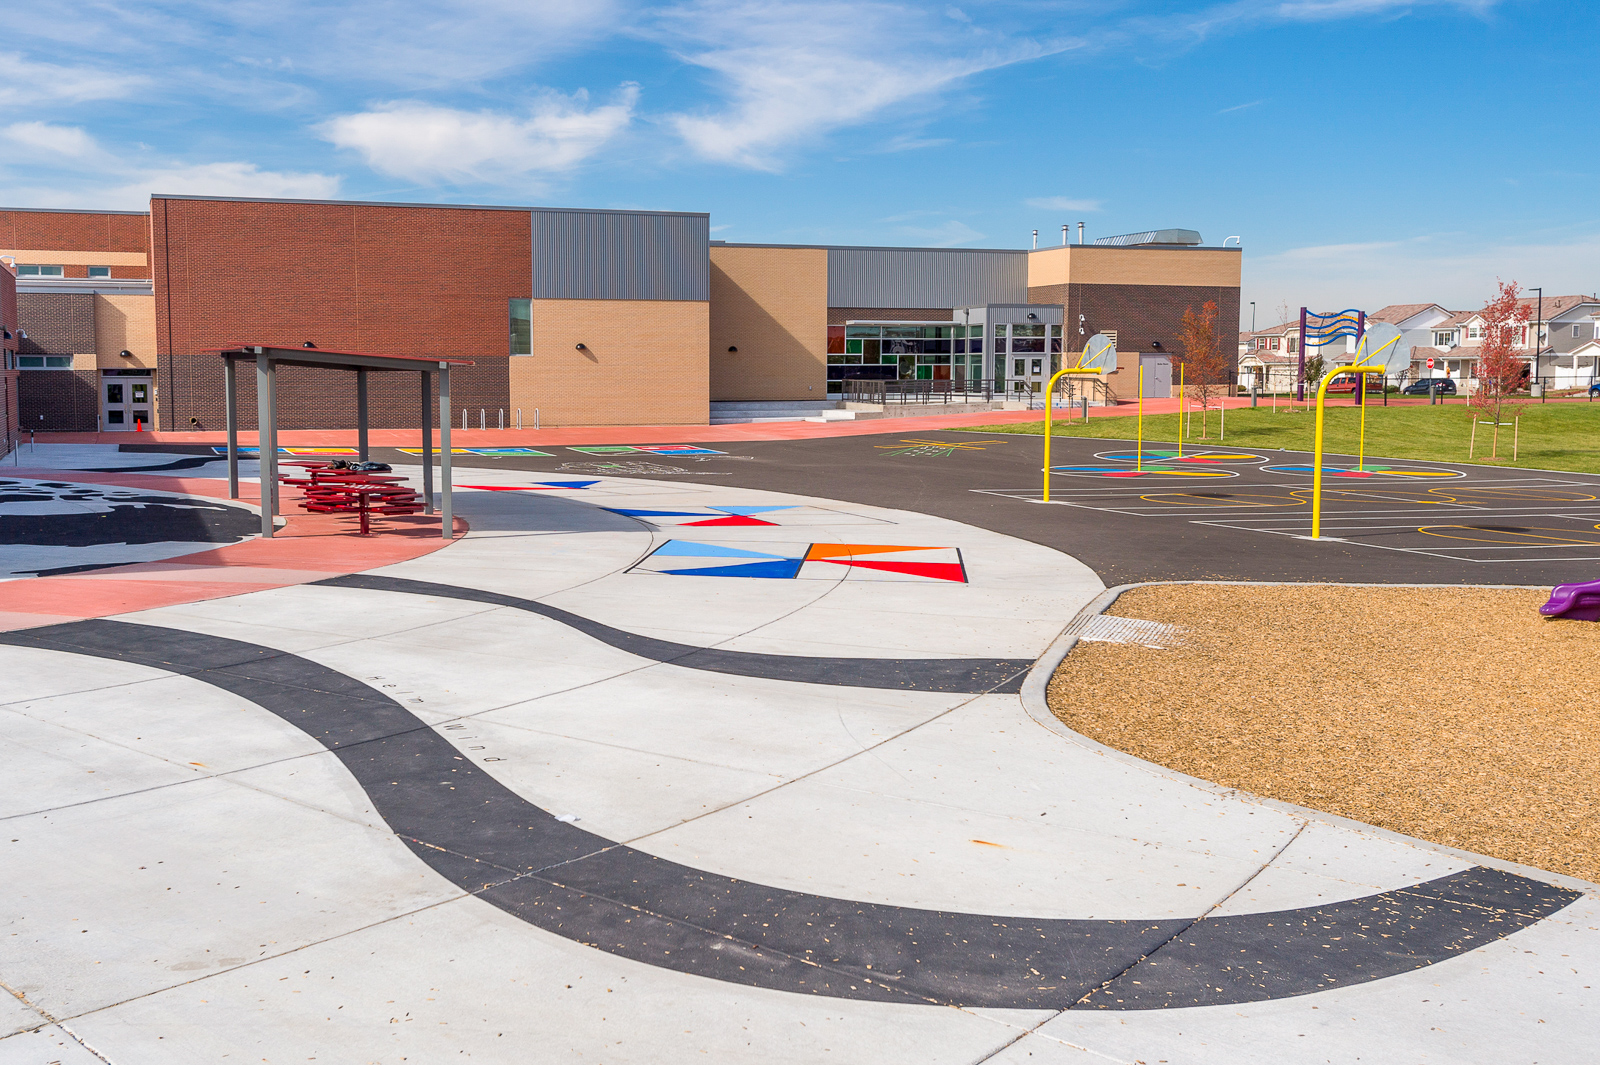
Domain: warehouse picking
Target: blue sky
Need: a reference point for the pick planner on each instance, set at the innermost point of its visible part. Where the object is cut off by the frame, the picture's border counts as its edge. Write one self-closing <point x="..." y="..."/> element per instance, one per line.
<point x="1365" y="151"/>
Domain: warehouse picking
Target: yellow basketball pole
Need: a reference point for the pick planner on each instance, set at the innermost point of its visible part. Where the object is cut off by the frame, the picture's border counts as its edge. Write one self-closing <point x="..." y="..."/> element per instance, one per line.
<point x="1181" y="398"/>
<point x="1316" y="455"/>
<point x="1049" y="419"/>
<point x="1138" y="456"/>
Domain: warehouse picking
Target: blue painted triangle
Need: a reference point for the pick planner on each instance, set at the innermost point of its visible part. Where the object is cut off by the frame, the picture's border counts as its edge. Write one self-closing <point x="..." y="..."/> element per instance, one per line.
<point x="659" y="513"/>
<point x="569" y="484"/>
<point x="782" y="568"/>
<point x="690" y="549"/>
<point x="747" y="511"/>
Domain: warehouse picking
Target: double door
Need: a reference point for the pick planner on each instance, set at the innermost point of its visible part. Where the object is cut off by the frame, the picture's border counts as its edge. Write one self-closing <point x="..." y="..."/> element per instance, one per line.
<point x="125" y="403"/>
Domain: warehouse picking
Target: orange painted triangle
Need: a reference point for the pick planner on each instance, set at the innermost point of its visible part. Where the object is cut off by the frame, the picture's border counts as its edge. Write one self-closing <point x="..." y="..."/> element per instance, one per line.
<point x="943" y="571"/>
<point x="736" y="519"/>
<point x="823" y="551"/>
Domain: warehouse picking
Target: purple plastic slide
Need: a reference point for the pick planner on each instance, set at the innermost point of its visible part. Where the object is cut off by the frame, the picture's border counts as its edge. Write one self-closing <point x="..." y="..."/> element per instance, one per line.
<point x="1580" y="602"/>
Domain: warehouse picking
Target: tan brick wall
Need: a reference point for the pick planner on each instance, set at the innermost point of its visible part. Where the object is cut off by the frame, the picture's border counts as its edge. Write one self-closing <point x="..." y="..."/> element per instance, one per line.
<point x="771" y="304"/>
<point x="57" y="257"/>
<point x="645" y="363"/>
<point x="125" y="323"/>
<point x="1087" y="264"/>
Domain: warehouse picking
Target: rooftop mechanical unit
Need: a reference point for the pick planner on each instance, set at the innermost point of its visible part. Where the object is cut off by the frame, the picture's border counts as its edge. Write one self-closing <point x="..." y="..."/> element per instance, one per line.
<point x="1171" y="237"/>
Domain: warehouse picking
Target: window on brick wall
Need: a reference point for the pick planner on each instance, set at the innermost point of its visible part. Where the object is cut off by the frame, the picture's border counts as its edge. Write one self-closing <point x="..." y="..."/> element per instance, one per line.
<point x="99" y="271"/>
<point x="522" y="327"/>
<point x="33" y="270"/>
<point x="44" y="362"/>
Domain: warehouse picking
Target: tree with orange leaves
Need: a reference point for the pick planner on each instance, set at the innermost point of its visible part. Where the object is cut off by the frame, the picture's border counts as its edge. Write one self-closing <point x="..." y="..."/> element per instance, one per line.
<point x="1499" y="369"/>
<point x="1207" y="368"/>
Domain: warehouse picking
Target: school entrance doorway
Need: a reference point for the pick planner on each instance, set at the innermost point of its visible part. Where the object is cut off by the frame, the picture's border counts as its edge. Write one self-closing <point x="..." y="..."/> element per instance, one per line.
<point x="125" y="400"/>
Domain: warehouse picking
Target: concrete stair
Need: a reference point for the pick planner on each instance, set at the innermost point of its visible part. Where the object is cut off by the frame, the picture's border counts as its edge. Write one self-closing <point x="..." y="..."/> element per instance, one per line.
<point x="734" y="412"/>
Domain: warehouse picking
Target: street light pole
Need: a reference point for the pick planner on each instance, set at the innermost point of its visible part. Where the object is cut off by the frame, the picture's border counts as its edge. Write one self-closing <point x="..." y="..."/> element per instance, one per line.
<point x="1533" y="375"/>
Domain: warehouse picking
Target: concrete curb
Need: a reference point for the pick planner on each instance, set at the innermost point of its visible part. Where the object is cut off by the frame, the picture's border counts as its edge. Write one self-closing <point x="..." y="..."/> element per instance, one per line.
<point x="1035" y="685"/>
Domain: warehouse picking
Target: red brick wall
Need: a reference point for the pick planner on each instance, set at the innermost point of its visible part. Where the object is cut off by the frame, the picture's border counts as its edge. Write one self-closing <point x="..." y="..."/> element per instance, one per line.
<point x="8" y="410"/>
<point x="1140" y="314"/>
<point x="8" y="311"/>
<point x="59" y="401"/>
<point x="76" y="231"/>
<point x="395" y="280"/>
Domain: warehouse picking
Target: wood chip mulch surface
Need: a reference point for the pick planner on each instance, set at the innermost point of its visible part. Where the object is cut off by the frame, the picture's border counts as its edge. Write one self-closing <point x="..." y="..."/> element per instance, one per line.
<point x="1456" y="715"/>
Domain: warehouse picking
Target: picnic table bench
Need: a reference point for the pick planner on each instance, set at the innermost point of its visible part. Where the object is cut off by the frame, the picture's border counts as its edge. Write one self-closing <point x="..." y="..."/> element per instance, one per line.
<point x="329" y="490"/>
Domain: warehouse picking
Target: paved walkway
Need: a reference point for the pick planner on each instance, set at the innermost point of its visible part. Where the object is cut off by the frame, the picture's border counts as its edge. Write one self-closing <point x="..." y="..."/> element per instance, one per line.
<point x="643" y="771"/>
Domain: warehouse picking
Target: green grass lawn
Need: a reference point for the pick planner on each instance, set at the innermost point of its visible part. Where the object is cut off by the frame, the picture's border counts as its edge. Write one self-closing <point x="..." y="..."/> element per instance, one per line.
<point x="1554" y="436"/>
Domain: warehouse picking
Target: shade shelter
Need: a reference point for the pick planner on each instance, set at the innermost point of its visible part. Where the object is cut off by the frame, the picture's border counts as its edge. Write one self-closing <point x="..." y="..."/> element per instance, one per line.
<point x="267" y="359"/>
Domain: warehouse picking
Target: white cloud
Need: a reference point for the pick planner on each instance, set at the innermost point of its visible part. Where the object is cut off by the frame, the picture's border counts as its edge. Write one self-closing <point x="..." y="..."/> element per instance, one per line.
<point x="792" y="70"/>
<point x="41" y="139"/>
<point x="427" y="143"/>
<point x="24" y="83"/>
<point x="1454" y="270"/>
<point x="1331" y="9"/>
<point x="1062" y="203"/>
<point x="72" y="169"/>
<point x="1241" y="107"/>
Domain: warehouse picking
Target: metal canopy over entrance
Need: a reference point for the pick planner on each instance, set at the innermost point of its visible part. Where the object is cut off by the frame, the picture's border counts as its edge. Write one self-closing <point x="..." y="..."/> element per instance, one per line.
<point x="267" y="359"/>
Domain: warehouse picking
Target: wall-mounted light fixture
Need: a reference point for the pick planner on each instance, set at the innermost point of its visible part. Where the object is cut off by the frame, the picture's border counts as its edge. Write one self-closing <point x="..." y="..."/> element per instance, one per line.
<point x="582" y="346"/>
<point x="1032" y="317"/>
<point x="732" y="348"/>
<point x="125" y="353"/>
<point x="307" y="344"/>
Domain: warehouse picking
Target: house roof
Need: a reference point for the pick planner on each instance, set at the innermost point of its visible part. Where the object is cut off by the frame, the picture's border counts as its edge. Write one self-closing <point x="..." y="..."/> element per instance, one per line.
<point x="1553" y="305"/>
<point x="1276" y="330"/>
<point x="1396" y="313"/>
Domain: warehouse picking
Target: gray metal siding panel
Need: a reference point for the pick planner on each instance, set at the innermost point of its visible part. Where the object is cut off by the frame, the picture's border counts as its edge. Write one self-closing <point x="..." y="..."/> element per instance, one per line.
<point x="918" y="277"/>
<point x="620" y="255"/>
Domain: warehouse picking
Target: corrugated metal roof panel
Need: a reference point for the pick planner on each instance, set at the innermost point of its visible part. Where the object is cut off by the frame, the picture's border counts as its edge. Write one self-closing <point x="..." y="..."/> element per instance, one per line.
<point x="925" y="277"/>
<point x="1152" y="236"/>
<point x="620" y="255"/>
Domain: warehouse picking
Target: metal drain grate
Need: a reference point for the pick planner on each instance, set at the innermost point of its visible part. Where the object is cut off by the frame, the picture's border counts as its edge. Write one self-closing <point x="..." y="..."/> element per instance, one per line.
<point x="1104" y="628"/>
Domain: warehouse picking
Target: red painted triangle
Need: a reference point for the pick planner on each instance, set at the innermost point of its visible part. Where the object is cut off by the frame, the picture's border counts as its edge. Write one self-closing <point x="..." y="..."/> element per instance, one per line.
<point x="736" y="519"/>
<point x="943" y="571"/>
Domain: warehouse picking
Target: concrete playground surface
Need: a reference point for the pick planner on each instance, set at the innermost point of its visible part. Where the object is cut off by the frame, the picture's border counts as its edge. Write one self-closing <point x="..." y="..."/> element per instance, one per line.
<point x="643" y="770"/>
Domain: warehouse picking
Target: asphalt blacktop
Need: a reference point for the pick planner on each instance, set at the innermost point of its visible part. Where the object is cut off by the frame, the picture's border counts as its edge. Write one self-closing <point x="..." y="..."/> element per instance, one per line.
<point x="737" y="751"/>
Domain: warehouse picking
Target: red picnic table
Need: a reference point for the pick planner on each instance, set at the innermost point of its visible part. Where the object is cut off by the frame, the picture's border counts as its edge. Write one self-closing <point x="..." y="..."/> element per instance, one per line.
<point x="341" y="491"/>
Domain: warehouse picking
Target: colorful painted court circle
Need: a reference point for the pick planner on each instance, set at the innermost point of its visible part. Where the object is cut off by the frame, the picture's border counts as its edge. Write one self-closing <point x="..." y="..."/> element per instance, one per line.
<point x="1368" y="470"/>
<point x="1198" y="458"/>
<point x="1148" y="471"/>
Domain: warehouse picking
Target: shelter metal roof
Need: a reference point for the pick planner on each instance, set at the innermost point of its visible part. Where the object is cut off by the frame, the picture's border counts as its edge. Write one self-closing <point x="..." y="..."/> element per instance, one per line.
<point x="339" y="360"/>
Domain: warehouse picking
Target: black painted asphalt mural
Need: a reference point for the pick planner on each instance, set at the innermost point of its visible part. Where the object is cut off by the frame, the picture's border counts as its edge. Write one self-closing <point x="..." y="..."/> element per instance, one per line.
<point x="489" y="841"/>
<point x="51" y="527"/>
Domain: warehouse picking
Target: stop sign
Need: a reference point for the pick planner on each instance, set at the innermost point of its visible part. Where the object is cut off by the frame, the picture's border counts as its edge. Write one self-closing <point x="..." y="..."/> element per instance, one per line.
<point x="1430" y="364"/>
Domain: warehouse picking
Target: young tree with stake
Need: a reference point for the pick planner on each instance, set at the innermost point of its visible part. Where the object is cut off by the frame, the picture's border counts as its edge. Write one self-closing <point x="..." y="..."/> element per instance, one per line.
<point x="1499" y="369"/>
<point x="1206" y="366"/>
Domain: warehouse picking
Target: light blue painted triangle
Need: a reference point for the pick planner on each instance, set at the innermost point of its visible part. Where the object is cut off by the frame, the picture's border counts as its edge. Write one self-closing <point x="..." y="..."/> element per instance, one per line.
<point x="688" y="548"/>
<point x="747" y="511"/>
<point x="569" y="484"/>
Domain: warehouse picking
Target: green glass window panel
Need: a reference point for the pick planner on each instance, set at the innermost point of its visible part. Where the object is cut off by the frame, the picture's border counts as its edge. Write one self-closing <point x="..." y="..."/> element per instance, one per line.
<point x="1027" y="330"/>
<point x="1000" y="330"/>
<point x="861" y="331"/>
<point x="961" y="332"/>
<point x="40" y="271"/>
<point x="871" y="348"/>
<point x="99" y="271"/>
<point x="924" y="373"/>
<point x="853" y="347"/>
<point x="1055" y="330"/>
<point x="889" y="359"/>
<point x="834" y="360"/>
<point x="31" y="362"/>
<point x="975" y="330"/>
<point x="522" y="327"/>
<point x="58" y="362"/>
<point x="907" y="331"/>
<point x="850" y="360"/>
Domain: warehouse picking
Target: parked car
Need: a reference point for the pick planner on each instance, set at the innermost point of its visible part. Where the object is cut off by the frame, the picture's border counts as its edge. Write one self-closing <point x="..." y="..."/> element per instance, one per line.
<point x="1594" y="389"/>
<point x="1422" y="386"/>
<point x="1348" y="382"/>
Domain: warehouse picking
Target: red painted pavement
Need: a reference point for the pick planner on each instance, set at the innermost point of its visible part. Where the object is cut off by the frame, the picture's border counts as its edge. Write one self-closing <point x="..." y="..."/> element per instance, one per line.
<point x="310" y="547"/>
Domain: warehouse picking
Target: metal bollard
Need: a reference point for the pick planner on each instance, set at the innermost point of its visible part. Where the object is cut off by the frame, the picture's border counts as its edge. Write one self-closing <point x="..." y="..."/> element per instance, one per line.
<point x="483" y="418"/>
<point x="1255" y="394"/>
<point x="463" y="418"/>
<point x="502" y="418"/>
<point x="1085" y="402"/>
<point x="536" y="417"/>
<point x="519" y="417"/>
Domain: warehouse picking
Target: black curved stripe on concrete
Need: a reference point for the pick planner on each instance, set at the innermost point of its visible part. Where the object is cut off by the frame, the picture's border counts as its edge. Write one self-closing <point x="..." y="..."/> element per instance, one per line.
<point x="962" y="675"/>
<point x="493" y="843"/>
<point x="175" y="464"/>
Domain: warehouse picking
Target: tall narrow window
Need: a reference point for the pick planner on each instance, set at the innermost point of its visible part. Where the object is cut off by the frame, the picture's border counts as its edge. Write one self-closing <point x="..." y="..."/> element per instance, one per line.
<point x="522" y="327"/>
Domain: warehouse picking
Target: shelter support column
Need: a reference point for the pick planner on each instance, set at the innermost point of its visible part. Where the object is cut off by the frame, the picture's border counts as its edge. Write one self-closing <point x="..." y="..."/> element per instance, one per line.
<point x="266" y="441"/>
<point x="230" y="399"/>
<point x="427" y="447"/>
<point x="446" y="520"/>
<point x="361" y="414"/>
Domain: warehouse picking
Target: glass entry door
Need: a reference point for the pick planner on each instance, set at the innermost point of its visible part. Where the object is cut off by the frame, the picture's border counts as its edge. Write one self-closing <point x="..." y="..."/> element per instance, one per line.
<point x="125" y="403"/>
